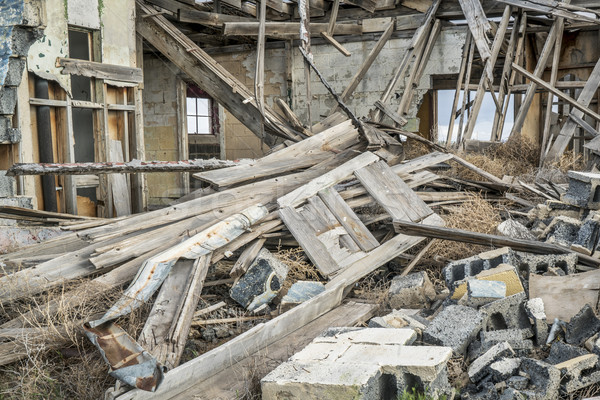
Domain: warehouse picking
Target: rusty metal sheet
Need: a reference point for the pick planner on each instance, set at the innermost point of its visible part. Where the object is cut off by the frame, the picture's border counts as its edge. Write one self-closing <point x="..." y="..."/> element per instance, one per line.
<point x="128" y="361"/>
<point x="154" y="270"/>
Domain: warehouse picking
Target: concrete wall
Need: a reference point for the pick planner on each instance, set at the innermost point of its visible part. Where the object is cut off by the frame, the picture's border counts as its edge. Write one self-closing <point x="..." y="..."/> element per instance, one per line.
<point x="160" y="125"/>
<point x="338" y="70"/>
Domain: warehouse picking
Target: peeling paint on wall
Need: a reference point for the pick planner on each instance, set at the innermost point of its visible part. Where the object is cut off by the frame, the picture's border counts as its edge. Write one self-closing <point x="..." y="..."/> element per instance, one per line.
<point x="43" y="53"/>
<point x="118" y="32"/>
<point x="83" y="13"/>
<point x="11" y="13"/>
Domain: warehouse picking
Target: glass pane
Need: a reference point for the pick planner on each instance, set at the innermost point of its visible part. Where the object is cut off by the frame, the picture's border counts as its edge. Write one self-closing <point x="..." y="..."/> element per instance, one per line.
<point x="191" y="106"/>
<point x="204" y="125"/>
<point x="191" y="125"/>
<point x="203" y="106"/>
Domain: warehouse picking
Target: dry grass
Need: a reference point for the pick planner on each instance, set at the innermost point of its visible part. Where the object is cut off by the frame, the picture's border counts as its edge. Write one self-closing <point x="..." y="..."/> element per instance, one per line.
<point x="569" y="161"/>
<point x="299" y="268"/>
<point x="475" y="214"/>
<point x="60" y="362"/>
<point x="516" y="157"/>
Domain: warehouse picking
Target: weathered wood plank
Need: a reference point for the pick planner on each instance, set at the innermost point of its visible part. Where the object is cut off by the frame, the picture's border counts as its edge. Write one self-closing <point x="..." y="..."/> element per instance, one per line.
<point x="392" y="193"/>
<point x="288" y="29"/>
<point x="479" y="26"/>
<point x="246" y="258"/>
<point x="307" y="238"/>
<point x="348" y="219"/>
<point x="99" y="70"/>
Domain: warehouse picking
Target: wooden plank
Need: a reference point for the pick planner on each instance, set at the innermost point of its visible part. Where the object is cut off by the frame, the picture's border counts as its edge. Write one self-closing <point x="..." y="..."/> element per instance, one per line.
<point x="459" y="235"/>
<point x="348" y="219"/>
<point x="335" y="44"/>
<point x="400" y="120"/>
<point x="208" y="74"/>
<point x="479" y="27"/>
<point x="392" y="193"/>
<point x="229" y="383"/>
<point x="459" y="83"/>
<point x="118" y="182"/>
<point x="369" y="5"/>
<point x="568" y="129"/>
<point x="207" y="365"/>
<point x="307" y="238"/>
<point x="246" y="258"/>
<point x="336" y="175"/>
<point x="287" y="29"/>
<point x="328" y="221"/>
<point x="99" y="70"/>
<point x="557" y="9"/>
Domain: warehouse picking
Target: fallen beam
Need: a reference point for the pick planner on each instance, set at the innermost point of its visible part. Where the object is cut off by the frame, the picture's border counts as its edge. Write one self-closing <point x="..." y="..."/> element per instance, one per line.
<point x="134" y="166"/>
<point x="459" y="235"/>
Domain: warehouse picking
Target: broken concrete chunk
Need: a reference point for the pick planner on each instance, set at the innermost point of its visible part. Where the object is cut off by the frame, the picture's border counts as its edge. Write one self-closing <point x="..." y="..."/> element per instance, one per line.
<point x="507" y="313"/>
<point x="583" y="190"/>
<point x="504" y="368"/>
<point x="480" y="292"/>
<point x="582" y="326"/>
<point x="515" y="230"/>
<point x="261" y="283"/>
<point x="514" y="394"/>
<point x="579" y="372"/>
<point x="560" y="352"/>
<point x="537" y="316"/>
<point x="455" y="327"/>
<point x="540" y="264"/>
<point x="545" y="378"/>
<point x="517" y="338"/>
<point x="300" y="292"/>
<point x="367" y="336"/>
<point x="411" y="291"/>
<point x="562" y="231"/>
<point x="478" y="368"/>
<point x="587" y="237"/>
<point x="502" y="273"/>
<point x="398" y="319"/>
<point x="517" y="382"/>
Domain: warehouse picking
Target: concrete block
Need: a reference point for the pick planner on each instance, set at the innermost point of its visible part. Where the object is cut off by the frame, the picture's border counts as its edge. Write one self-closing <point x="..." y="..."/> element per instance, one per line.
<point x="455" y="327"/>
<point x="562" y="231"/>
<point x="261" y="283"/>
<point x="544" y="378"/>
<point x="541" y="264"/>
<point x="502" y="273"/>
<point x="478" y="368"/>
<point x="587" y="237"/>
<point x="507" y="313"/>
<point x="504" y="368"/>
<point x="387" y="336"/>
<point x="399" y="319"/>
<point x="300" y="292"/>
<point x="411" y="291"/>
<point x="469" y="267"/>
<point x="579" y="372"/>
<point x="582" y="326"/>
<point x="15" y="71"/>
<point x="517" y="382"/>
<point x="480" y="292"/>
<point x="8" y="100"/>
<point x="515" y="230"/>
<point x="517" y="338"/>
<point x="8" y="185"/>
<point x="537" y="316"/>
<point x="583" y="190"/>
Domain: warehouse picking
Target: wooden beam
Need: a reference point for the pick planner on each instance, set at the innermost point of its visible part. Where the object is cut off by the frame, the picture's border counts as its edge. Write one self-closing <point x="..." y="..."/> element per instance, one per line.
<point x="287" y="29"/>
<point x="480" y="29"/>
<point x="99" y="70"/>
<point x="555" y="8"/>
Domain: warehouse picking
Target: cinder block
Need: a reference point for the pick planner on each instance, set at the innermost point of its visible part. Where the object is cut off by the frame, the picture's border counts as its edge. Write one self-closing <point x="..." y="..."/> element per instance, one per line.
<point x="503" y="273"/>
<point x="385" y="336"/>
<point x="411" y="291"/>
<point x="8" y="185"/>
<point x="587" y="237"/>
<point x="478" y="368"/>
<point x="517" y="382"/>
<point x="8" y="100"/>
<point x="455" y="327"/>
<point x="582" y="326"/>
<point x="504" y="368"/>
<point x="300" y="292"/>
<point x="537" y="316"/>
<point x="583" y="190"/>
<point x="579" y="372"/>
<point x="507" y="313"/>
<point x="540" y="264"/>
<point x="261" y="283"/>
<point x="562" y="231"/>
<point x="544" y="378"/>
<point x="517" y="338"/>
<point x="15" y="71"/>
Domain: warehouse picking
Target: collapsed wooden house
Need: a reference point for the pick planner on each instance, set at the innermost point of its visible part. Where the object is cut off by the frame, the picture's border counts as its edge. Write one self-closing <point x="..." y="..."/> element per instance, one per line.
<point x="107" y="108"/>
